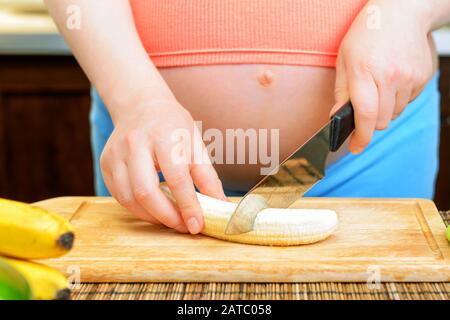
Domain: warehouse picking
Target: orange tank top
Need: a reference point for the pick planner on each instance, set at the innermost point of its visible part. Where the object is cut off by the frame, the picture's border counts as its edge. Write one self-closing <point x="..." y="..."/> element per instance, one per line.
<point x="202" y="32"/>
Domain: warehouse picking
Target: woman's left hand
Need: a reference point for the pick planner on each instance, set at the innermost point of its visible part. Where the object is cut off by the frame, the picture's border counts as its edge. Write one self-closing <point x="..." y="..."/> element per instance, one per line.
<point x="384" y="62"/>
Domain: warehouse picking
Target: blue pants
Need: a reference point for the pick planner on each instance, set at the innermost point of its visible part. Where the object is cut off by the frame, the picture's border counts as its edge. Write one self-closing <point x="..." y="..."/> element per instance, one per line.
<point x="401" y="161"/>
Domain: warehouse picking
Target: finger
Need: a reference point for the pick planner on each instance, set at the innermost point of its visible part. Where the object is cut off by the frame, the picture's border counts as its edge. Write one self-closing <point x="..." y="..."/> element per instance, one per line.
<point x="106" y="173"/>
<point x="364" y="97"/>
<point x="122" y="192"/>
<point x="105" y="165"/>
<point x="416" y="92"/>
<point x="180" y="183"/>
<point x="204" y="175"/>
<point x="387" y="99"/>
<point x="206" y="179"/>
<point x="105" y="168"/>
<point x="341" y="93"/>
<point x="402" y="100"/>
<point x="144" y="182"/>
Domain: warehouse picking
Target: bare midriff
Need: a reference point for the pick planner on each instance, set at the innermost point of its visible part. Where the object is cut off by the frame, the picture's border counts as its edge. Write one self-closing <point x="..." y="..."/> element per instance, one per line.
<point x="296" y="100"/>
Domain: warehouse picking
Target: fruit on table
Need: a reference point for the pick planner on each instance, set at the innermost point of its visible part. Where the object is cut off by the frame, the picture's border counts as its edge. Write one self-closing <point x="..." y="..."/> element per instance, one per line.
<point x="32" y="233"/>
<point x="273" y="227"/>
<point x="13" y="285"/>
<point x="45" y="282"/>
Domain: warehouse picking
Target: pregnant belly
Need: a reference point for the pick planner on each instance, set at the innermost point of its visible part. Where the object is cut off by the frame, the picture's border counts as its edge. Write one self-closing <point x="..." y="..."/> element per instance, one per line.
<point x="291" y="101"/>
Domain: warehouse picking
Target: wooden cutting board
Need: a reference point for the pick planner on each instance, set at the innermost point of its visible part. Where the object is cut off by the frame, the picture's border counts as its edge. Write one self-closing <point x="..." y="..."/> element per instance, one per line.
<point x="385" y="239"/>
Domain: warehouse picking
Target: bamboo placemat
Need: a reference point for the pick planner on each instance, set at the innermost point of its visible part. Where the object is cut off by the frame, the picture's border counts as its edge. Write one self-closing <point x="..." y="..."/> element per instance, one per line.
<point x="262" y="291"/>
<point x="445" y="216"/>
<point x="265" y="291"/>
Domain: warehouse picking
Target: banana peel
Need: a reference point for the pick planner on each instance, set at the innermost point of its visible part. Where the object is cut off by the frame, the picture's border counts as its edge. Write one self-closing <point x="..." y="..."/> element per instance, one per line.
<point x="28" y="232"/>
<point x="13" y="285"/>
<point x="45" y="282"/>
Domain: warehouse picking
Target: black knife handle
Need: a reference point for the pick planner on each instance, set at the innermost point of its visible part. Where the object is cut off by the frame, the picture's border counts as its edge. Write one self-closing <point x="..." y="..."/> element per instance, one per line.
<point x="342" y="125"/>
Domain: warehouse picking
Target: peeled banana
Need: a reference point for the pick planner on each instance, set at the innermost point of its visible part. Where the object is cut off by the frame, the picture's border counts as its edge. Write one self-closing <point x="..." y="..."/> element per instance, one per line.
<point x="45" y="282"/>
<point x="32" y="233"/>
<point x="273" y="227"/>
<point x="13" y="285"/>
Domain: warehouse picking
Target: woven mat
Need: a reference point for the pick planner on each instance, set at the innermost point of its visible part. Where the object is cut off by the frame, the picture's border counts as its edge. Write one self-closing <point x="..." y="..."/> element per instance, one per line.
<point x="445" y="216"/>
<point x="264" y="291"/>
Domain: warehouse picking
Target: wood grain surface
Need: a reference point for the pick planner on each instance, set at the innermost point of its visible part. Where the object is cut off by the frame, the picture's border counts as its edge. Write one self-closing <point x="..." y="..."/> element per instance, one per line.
<point x="392" y="240"/>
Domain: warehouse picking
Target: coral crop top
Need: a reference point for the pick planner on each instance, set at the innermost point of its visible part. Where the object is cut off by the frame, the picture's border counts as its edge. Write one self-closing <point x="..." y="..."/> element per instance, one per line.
<point x="202" y="32"/>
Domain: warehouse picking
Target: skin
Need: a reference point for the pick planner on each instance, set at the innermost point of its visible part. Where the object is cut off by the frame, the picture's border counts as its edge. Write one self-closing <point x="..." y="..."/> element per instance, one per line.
<point x="147" y="104"/>
<point x="259" y="101"/>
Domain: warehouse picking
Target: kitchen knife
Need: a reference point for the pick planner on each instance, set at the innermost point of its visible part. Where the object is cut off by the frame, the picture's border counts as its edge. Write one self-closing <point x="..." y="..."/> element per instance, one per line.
<point x="296" y="174"/>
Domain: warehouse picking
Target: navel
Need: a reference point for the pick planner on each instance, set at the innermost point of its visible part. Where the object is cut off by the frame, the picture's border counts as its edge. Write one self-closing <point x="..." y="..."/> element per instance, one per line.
<point x="266" y="78"/>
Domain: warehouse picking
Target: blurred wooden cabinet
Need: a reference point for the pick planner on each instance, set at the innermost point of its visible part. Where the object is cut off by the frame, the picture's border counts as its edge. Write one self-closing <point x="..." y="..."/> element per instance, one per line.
<point x="44" y="129"/>
<point x="442" y="197"/>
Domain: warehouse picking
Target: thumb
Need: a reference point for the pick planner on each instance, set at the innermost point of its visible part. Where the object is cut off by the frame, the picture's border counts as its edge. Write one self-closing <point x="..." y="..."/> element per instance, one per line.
<point x="341" y="92"/>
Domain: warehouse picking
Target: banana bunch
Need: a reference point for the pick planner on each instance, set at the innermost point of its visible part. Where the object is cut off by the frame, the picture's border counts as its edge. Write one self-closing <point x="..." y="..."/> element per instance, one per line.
<point x="28" y="232"/>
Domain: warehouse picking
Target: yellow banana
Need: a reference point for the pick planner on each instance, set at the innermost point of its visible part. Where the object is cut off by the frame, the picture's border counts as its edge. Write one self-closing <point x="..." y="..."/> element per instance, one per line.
<point x="45" y="282"/>
<point x="13" y="285"/>
<point x="32" y="233"/>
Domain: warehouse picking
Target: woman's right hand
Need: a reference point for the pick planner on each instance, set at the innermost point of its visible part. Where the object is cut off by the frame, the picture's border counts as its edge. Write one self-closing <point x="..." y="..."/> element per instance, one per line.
<point x="142" y="144"/>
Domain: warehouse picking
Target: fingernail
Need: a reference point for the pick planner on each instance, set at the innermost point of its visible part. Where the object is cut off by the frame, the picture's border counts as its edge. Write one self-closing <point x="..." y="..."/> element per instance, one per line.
<point x="357" y="150"/>
<point x="193" y="225"/>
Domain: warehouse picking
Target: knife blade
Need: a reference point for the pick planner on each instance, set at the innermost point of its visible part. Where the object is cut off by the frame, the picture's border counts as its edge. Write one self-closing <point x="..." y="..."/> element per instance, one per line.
<point x="297" y="173"/>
